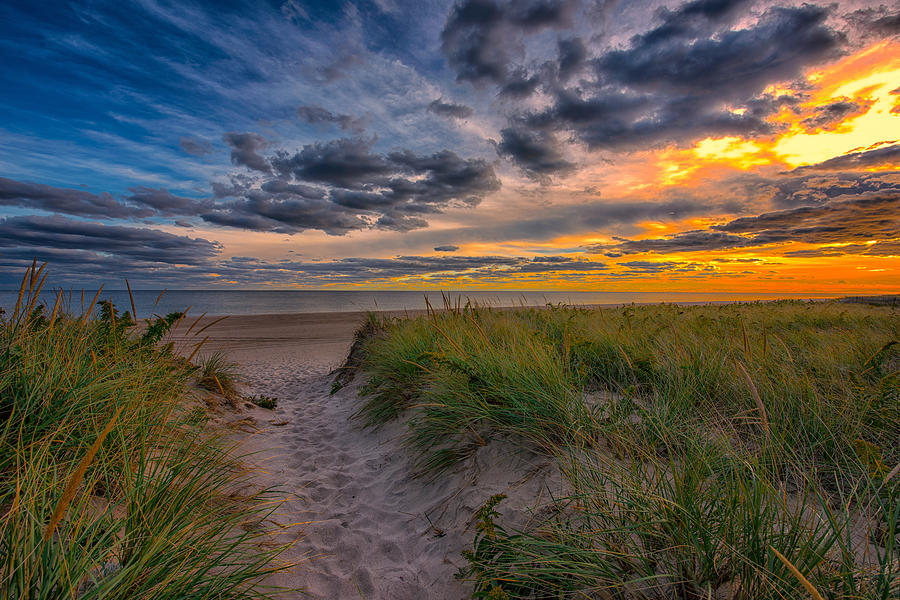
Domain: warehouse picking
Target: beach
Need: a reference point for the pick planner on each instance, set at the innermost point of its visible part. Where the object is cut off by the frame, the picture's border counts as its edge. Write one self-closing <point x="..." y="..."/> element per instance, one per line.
<point x="459" y="299"/>
<point x="370" y="529"/>
<point x="565" y="450"/>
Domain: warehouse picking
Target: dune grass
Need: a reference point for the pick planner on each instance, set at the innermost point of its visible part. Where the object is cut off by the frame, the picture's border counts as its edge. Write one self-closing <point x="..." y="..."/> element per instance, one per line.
<point x="738" y="451"/>
<point x="108" y="488"/>
<point x="218" y="374"/>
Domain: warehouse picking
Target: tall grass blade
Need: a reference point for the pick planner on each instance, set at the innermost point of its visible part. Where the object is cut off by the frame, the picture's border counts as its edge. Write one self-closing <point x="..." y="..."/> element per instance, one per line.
<point x="197" y="347"/>
<point x="36" y="294"/>
<point x="22" y="291"/>
<point x="86" y="315"/>
<point x="55" y="308"/>
<point x="796" y="573"/>
<point x="77" y="476"/>
<point x="210" y="324"/>
<point x="131" y="299"/>
<point x="760" y="407"/>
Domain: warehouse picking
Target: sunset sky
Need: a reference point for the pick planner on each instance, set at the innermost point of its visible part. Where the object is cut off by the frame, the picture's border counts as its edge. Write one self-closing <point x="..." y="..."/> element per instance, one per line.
<point x="714" y="145"/>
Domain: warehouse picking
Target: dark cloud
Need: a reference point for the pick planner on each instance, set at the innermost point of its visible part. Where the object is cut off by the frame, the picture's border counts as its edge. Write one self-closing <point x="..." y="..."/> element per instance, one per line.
<point x="400" y="222"/>
<point x="44" y="236"/>
<point x="482" y="37"/>
<point x="346" y="163"/>
<point x="336" y="187"/>
<point x="880" y="248"/>
<point x="572" y="56"/>
<point x="646" y="267"/>
<point x="566" y="219"/>
<point x="856" y="220"/>
<point x="879" y="20"/>
<point x="316" y="115"/>
<point x="284" y="213"/>
<point x="38" y="196"/>
<point x="164" y="203"/>
<point x="537" y="153"/>
<point x="689" y="54"/>
<point x="341" y="185"/>
<point x="470" y="41"/>
<point x="356" y="270"/>
<point x="862" y="219"/>
<point x="245" y="148"/>
<point x="858" y="160"/>
<point x="446" y="248"/>
<point x="558" y="264"/>
<point x="553" y="259"/>
<point x="194" y="146"/>
<point x="685" y="78"/>
<point x="689" y="241"/>
<point x="830" y="116"/>
<point x="449" y="109"/>
<point x="280" y="186"/>
<point x="519" y="84"/>
<point x="537" y="14"/>
<point x="811" y="187"/>
<point x="889" y="24"/>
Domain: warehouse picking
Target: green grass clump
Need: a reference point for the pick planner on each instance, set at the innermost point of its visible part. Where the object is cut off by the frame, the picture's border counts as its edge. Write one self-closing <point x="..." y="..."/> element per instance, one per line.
<point x="108" y="488"/>
<point x="469" y="376"/>
<point x="218" y="374"/>
<point x="262" y="401"/>
<point x="739" y="451"/>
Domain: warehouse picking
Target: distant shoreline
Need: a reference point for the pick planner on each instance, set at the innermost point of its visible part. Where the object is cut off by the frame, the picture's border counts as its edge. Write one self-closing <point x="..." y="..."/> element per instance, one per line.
<point x="272" y="302"/>
<point x="326" y="335"/>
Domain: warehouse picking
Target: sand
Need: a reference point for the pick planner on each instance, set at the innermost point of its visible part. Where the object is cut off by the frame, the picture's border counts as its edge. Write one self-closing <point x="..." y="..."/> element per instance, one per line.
<point x="371" y="530"/>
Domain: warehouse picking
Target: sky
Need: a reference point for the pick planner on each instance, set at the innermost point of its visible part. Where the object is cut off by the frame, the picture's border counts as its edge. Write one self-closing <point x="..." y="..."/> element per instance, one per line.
<point x="710" y="145"/>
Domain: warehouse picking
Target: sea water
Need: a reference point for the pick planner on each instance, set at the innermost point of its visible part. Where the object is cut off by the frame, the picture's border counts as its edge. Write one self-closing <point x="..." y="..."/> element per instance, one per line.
<point x="263" y="302"/>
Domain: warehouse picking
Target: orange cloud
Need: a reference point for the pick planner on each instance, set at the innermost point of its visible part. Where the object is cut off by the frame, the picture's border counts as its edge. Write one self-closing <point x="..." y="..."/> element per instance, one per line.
<point x="853" y="104"/>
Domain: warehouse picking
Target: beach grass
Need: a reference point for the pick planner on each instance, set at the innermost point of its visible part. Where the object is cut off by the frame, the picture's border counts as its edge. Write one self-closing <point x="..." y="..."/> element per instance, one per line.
<point x="109" y="487"/>
<point x="745" y="451"/>
<point x="218" y="374"/>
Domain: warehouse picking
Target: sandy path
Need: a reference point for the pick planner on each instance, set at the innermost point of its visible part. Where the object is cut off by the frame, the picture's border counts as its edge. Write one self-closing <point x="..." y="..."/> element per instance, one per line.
<point x="368" y="535"/>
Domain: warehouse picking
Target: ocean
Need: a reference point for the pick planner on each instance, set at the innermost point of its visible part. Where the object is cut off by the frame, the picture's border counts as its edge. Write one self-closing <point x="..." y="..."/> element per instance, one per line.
<point x="261" y="302"/>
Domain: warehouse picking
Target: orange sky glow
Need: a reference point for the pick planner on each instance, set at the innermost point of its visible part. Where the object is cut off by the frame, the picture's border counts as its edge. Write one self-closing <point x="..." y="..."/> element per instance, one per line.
<point x="744" y="147"/>
<point x="867" y="76"/>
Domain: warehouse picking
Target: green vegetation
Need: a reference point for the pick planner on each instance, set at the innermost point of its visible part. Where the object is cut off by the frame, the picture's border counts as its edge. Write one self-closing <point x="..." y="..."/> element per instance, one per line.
<point x="267" y="402"/>
<point x="218" y="374"/>
<point x="747" y="451"/>
<point x="109" y="488"/>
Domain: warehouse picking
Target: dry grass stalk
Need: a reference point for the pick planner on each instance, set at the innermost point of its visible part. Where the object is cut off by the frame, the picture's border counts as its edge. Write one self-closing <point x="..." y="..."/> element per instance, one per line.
<point x="796" y="573"/>
<point x="22" y="291"/>
<point x="893" y="472"/>
<point x="85" y="316"/>
<point x="219" y="383"/>
<point x="77" y="476"/>
<point x="208" y="325"/>
<point x="746" y="341"/>
<point x="131" y="297"/>
<point x="197" y="348"/>
<point x="764" y="417"/>
<point x="194" y="324"/>
<point x="55" y="308"/>
<point x="33" y="292"/>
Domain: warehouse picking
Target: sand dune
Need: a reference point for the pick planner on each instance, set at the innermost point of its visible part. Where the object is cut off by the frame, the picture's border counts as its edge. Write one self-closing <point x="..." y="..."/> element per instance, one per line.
<point x="374" y="531"/>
